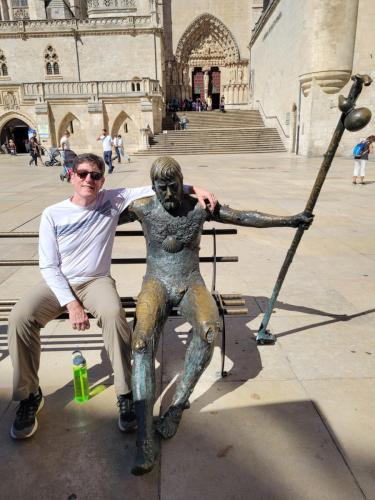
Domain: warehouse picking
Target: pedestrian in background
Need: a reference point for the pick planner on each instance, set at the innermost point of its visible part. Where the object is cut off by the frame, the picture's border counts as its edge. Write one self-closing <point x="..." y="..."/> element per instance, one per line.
<point x="64" y="145"/>
<point x="12" y="147"/>
<point x="222" y="104"/>
<point x="35" y="151"/>
<point x="107" y="149"/>
<point x="361" y="152"/>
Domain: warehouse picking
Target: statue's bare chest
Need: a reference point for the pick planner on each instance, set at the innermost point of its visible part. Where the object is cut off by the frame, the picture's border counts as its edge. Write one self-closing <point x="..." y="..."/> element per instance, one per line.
<point x="174" y="233"/>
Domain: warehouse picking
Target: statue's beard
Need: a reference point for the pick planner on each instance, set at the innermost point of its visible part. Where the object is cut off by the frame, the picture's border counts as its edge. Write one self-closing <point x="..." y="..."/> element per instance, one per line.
<point x="171" y="205"/>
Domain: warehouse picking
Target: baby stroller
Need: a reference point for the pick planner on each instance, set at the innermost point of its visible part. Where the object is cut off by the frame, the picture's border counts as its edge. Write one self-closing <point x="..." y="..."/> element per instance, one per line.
<point x="52" y="154"/>
<point x="67" y="168"/>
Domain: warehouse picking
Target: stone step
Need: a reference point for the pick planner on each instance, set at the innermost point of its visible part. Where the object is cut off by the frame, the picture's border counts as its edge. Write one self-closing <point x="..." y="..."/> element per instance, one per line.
<point x="236" y="131"/>
<point x="214" y="119"/>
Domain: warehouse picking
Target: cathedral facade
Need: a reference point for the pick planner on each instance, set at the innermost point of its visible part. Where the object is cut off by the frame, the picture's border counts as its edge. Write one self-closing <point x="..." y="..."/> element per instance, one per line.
<point x="84" y="65"/>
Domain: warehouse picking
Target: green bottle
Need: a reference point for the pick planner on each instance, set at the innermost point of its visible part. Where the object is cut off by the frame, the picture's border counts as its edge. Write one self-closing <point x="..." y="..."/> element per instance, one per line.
<point x="81" y="385"/>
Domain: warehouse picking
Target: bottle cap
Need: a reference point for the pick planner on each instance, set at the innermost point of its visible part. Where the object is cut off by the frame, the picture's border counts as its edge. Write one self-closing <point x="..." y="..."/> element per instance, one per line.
<point x="78" y="358"/>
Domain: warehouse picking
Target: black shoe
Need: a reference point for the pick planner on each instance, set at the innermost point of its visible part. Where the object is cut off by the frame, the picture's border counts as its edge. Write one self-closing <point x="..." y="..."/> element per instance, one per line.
<point x="110" y="171"/>
<point x="25" y="423"/>
<point x="127" y="421"/>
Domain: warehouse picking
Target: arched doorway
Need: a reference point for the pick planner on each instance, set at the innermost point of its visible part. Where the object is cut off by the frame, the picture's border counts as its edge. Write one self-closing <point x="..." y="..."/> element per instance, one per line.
<point x="71" y="123"/>
<point x="208" y="62"/>
<point x="206" y="82"/>
<point x="17" y="130"/>
<point x="124" y="125"/>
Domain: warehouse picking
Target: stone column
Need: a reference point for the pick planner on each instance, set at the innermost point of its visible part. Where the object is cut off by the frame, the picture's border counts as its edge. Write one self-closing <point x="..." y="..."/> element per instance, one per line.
<point x="46" y="134"/>
<point x="143" y="139"/>
<point x="329" y="34"/>
<point x="4" y="10"/>
<point x="206" y="81"/>
<point x="37" y="9"/>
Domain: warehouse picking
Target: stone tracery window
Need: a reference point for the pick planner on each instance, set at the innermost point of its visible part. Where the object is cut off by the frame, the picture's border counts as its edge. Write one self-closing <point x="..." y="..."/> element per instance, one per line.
<point x="136" y="84"/>
<point x="51" y="61"/>
<point x="3" y="64"/>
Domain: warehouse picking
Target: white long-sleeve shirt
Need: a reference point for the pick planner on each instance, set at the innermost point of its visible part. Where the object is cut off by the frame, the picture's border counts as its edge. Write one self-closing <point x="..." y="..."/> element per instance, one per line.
<point x="75" y="243"/>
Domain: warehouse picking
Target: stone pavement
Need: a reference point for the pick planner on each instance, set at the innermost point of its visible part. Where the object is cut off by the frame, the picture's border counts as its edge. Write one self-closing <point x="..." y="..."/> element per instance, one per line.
<point x="291" y="421"/>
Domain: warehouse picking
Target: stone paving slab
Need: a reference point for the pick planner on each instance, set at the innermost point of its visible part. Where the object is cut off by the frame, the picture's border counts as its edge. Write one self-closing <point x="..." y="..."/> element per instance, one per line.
<point x="78" y="450"/>
<point x="348" y="408"/>
<point x="256" y="440"/>
<point x="326" y="349"/>
<point x="281" y="424"/>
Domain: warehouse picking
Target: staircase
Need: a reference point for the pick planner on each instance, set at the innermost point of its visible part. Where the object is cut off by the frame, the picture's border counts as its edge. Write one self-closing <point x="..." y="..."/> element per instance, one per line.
<point x="213" y="132"/>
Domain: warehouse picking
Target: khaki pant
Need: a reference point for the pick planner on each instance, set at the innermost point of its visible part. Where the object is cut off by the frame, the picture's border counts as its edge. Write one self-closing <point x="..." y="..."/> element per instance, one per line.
<point x="99" y="296"/>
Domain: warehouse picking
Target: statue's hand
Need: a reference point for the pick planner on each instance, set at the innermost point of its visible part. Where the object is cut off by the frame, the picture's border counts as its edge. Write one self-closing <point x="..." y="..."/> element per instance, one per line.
<point x="138" y="344"/>
<point x="303" y="219"/>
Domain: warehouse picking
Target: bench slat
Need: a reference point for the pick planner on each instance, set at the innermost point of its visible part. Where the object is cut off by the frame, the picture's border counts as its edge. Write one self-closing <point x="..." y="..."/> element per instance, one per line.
<point x="35" y="234"/>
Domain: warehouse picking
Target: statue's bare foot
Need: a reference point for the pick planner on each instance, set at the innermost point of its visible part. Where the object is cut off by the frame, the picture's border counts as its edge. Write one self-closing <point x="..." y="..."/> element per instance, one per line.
<point x="168" y="424"/>
<point x="145" y="457"/>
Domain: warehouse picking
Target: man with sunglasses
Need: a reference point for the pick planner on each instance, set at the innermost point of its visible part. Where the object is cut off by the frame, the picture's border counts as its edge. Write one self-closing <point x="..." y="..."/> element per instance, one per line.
<point x="75" y="245"/>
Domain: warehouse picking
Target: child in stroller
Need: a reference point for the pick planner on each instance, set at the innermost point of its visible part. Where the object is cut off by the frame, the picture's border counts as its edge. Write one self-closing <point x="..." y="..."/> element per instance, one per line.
<point x="67" y="168"/>
<point x="53" y="154"/>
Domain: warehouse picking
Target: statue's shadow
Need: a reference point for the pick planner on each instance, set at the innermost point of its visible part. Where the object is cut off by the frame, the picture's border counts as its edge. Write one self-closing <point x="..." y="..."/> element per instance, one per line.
<point x="243" y="360"/>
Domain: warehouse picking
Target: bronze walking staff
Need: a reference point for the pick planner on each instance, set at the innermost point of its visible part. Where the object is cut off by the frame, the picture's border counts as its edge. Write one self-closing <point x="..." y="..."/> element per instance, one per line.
<point x="351" y="119"/>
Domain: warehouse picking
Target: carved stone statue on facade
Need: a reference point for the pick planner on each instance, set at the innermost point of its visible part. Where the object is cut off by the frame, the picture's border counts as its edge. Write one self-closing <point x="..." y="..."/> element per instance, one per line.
<point x="172" y="223"/>
<point x="10" y="101"/>
<point x="240" y="74"/>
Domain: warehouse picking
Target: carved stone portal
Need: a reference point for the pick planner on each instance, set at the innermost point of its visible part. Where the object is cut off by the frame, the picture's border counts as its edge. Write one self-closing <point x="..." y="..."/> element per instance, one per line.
<point x="208" y="43"/>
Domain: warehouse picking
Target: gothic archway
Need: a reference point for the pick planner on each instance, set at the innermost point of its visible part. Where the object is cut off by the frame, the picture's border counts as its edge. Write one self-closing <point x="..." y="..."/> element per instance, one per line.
<point x="207" y="63"/>
<point x="15" y="126"/>
<point x="125" y="126"/>
<point x="207" y="41"/>
<point x="71" y="123"/>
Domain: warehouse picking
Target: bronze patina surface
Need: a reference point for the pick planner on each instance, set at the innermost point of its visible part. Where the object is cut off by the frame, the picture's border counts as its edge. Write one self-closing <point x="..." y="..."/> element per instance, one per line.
<point x="172" y="223"/>
<point x="351" y="119"/>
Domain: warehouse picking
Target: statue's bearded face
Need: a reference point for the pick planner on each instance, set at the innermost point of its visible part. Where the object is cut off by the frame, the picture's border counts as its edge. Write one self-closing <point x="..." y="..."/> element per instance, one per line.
<point x="169" y="192"/>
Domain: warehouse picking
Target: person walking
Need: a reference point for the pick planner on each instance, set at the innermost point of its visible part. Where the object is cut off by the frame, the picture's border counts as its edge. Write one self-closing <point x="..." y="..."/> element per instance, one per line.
<point x="222" y="104"/>
<point x="107" y="149"/>
<point x="361" y="152"/>
<point x="117" y="144"/>
<point x="184" y="122"/>
<point x="35" y="151"/>
<point x="64" y="144"/>
<point x="12" y="147"/>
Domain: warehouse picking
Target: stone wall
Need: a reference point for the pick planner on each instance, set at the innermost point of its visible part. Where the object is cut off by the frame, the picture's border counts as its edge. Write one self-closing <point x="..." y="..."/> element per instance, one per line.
<point x="98" y="52"/>
<point x="301" y="60"/>
<point x="109" y="72"/>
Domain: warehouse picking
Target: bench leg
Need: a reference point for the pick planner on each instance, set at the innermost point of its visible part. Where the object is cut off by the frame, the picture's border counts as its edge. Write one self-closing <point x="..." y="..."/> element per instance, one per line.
<point x="224" y="373"/>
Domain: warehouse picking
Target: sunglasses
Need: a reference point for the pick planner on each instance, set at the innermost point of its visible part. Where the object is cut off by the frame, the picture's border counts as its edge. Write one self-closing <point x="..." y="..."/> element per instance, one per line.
<point x="95" y="176"/>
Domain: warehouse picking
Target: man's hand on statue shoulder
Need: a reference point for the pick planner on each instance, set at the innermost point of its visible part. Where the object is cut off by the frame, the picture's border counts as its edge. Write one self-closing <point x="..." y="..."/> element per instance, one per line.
<point x="205" y="198"/>
<point x="77" y="316"/>
<point x="303" y="219"/>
